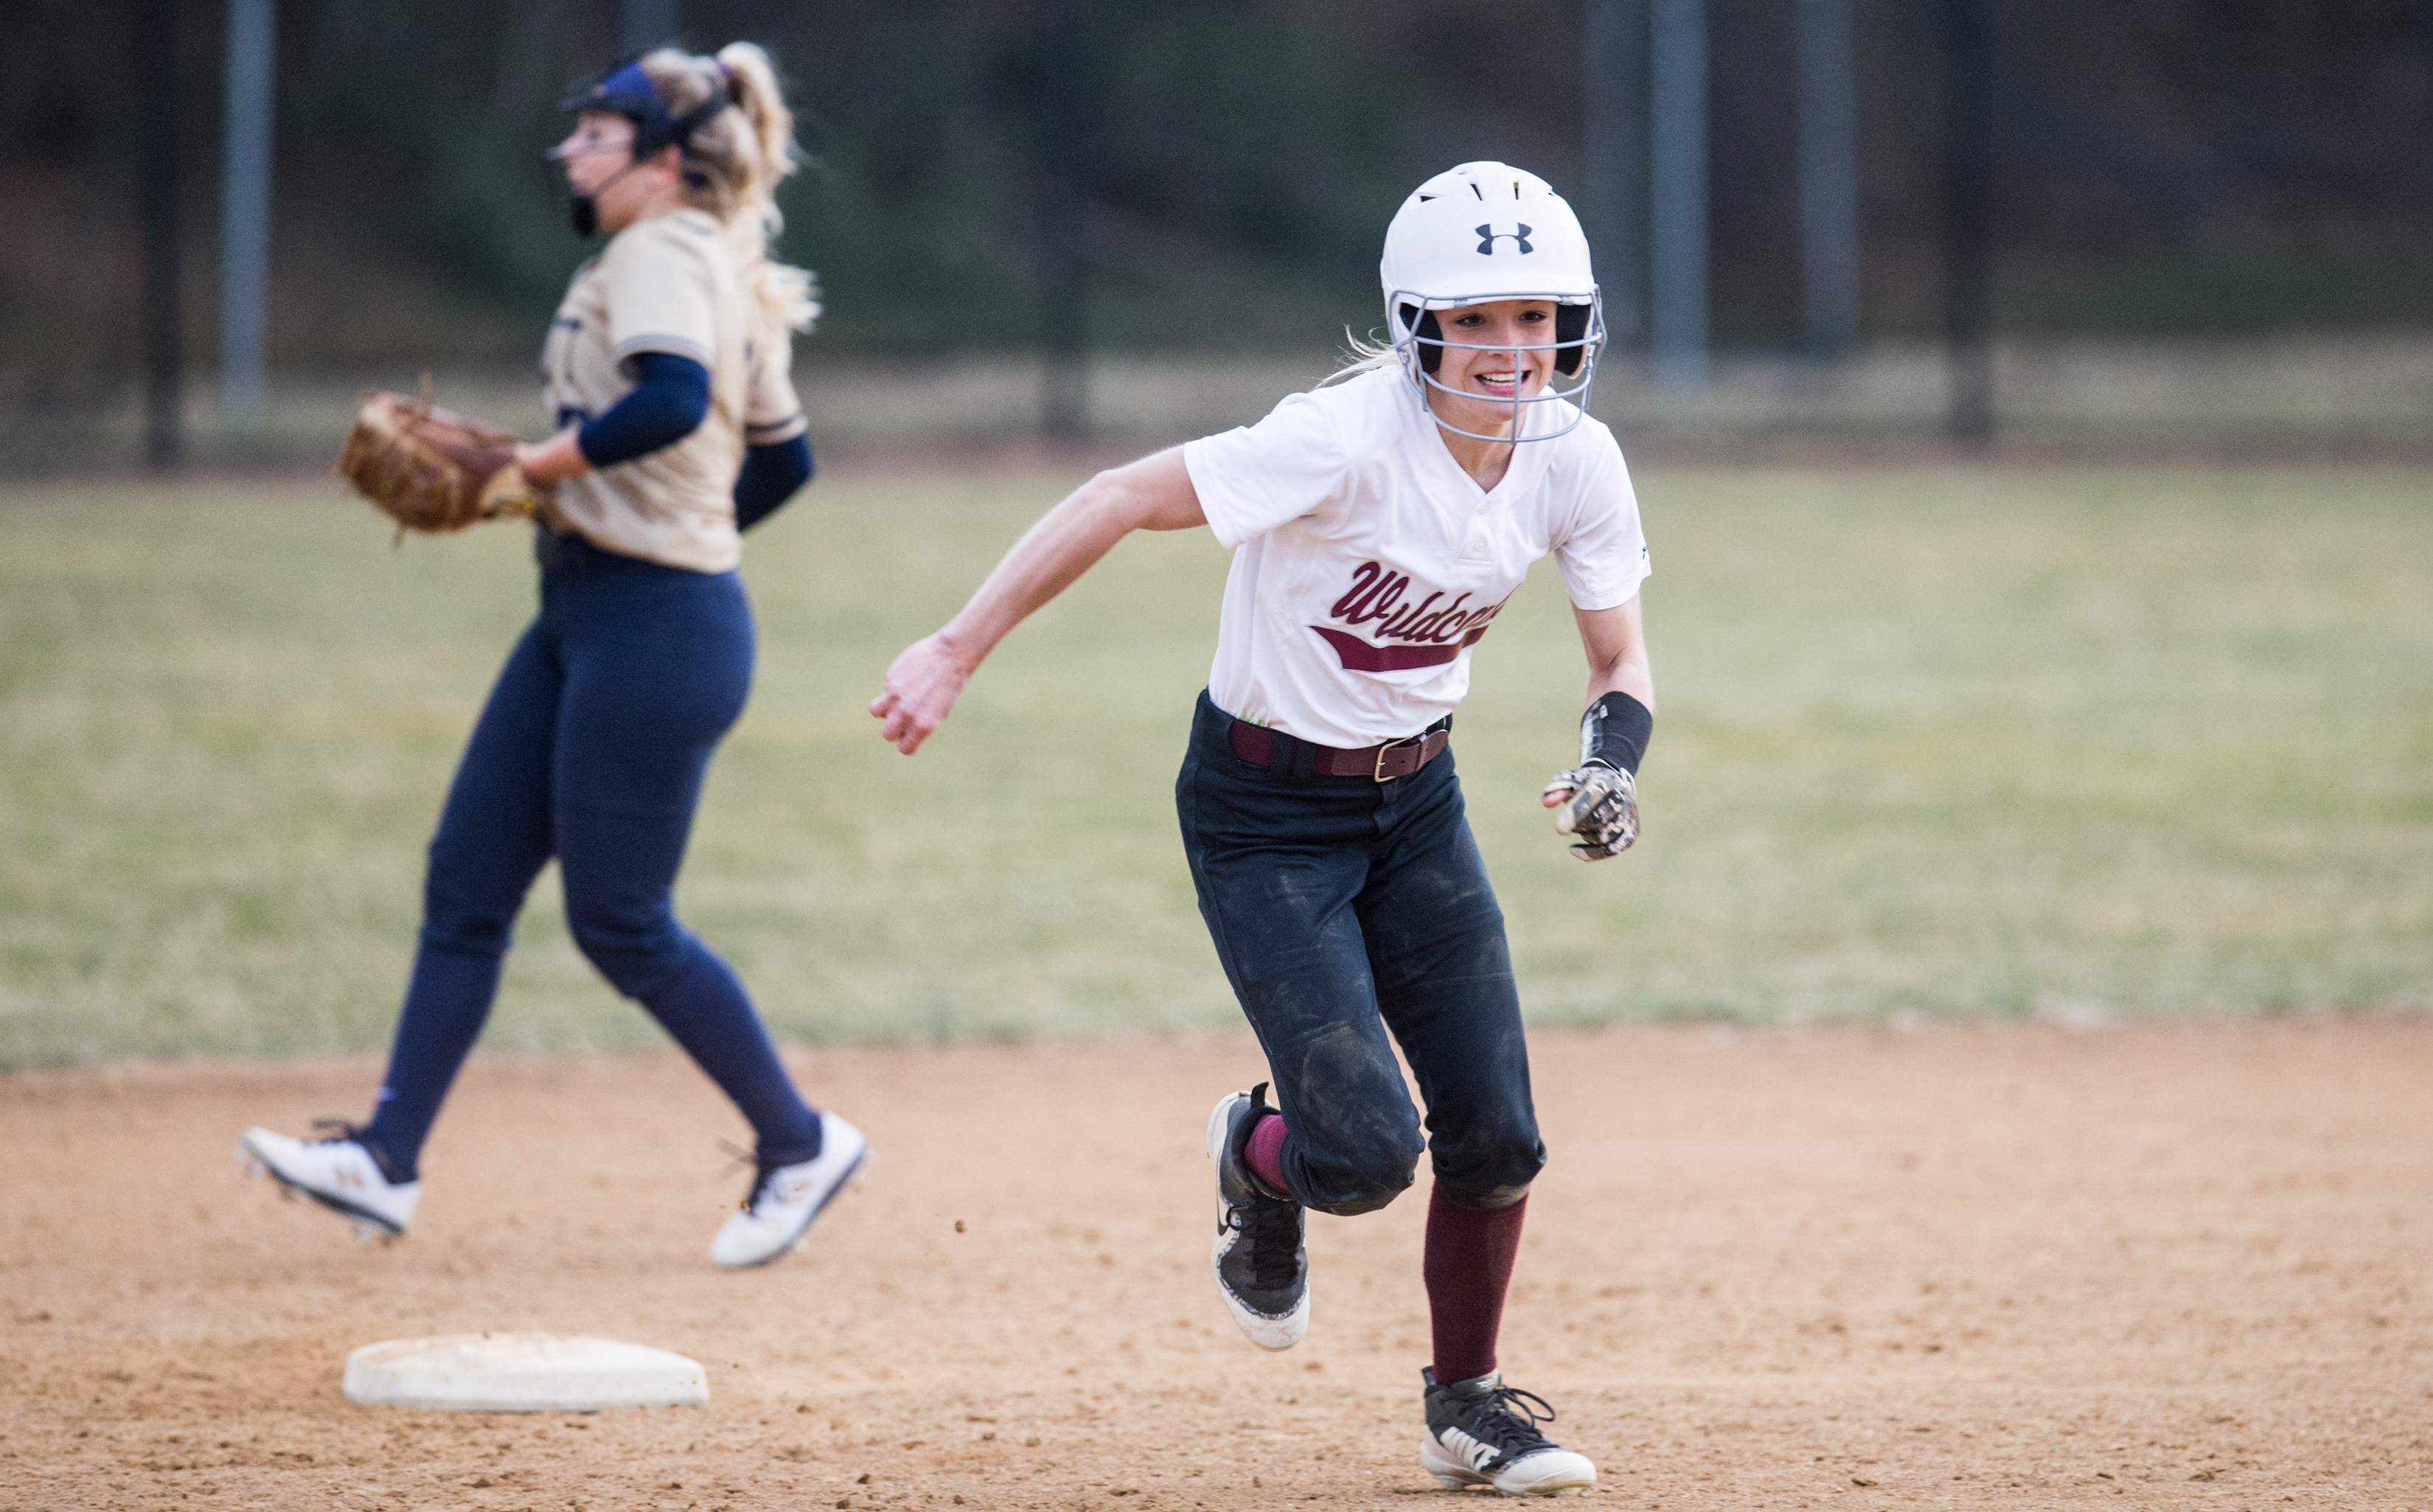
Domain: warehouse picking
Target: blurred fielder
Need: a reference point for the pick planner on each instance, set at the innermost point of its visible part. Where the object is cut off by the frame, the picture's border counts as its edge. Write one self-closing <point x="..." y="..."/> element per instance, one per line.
<point x="1378" y="525"/>
<point x="667" y="367"/>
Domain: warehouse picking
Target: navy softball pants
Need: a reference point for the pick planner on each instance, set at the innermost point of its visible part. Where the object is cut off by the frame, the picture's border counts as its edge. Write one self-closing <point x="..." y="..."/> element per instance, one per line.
<point x="592" y="749"/>
<point x="1345" y="910"/>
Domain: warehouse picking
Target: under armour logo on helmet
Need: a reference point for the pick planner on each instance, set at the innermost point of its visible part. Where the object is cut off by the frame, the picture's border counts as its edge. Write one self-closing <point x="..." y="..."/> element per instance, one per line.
<point x="1489" y="236"/>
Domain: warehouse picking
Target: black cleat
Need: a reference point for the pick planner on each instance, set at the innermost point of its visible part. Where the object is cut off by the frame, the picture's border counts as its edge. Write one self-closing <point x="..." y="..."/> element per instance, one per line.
<point x="1484" y="1433"/>
<point x="1259" y="1264"/>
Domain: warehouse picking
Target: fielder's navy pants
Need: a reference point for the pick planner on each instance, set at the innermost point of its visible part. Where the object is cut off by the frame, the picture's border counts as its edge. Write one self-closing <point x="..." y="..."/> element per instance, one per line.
<point x="1345" y="910"/>
<point x="592" y="749"/>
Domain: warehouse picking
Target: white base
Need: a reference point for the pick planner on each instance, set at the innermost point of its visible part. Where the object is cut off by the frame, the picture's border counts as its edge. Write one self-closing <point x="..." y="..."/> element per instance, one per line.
<point x="523" y="1372"/>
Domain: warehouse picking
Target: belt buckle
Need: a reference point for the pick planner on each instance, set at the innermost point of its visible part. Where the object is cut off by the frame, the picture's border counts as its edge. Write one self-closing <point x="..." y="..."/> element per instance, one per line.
<point x="1377" y="773"/>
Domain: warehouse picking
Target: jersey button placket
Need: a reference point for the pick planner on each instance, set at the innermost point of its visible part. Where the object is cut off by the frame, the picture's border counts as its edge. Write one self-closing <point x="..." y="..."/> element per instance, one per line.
<point x="1476" y="545"/>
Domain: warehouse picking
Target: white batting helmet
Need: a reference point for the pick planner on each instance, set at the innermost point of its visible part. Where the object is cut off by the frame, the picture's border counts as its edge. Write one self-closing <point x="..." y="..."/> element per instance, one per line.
<point x="1481" y="231"/>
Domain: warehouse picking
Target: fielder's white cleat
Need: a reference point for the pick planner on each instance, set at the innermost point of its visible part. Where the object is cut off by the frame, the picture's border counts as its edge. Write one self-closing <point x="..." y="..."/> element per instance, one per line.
<point x="1484" y="1433"/>
<point x="778" y="1209"/>
<point x="336" y="1172"/>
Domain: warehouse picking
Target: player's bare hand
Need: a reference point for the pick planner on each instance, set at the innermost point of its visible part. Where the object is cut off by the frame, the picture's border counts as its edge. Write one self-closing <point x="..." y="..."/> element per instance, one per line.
<point x="1599" y="804"/>
<point x="551" y="460"/>
<point x="921" y="685"/>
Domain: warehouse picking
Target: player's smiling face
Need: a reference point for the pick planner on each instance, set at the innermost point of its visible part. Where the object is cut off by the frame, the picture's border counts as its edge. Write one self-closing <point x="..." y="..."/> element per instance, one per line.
<point x="1496" y="363"/>
<point x="1510" y="324"/>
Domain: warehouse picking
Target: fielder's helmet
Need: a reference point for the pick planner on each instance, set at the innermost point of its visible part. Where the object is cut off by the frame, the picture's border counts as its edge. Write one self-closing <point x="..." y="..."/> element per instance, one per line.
<point x="1481" y="231"/>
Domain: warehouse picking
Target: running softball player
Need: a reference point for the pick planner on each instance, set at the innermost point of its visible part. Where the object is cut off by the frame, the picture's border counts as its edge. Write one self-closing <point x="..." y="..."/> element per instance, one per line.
<point x="1378" y="526"/>
<point x="666" y="369"/>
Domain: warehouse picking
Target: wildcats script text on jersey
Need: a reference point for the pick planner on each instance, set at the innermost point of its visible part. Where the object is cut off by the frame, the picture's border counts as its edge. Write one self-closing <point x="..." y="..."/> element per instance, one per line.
<point x="1430" y="634"/>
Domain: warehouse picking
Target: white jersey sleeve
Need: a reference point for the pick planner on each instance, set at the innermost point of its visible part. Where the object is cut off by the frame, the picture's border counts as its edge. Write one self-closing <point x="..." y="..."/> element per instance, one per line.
<point x="1602" y="549"/>
<point x="1254" y="478"/>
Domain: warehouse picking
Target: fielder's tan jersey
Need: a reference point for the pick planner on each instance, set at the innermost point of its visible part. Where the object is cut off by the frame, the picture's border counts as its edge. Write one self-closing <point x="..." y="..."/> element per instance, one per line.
<point x="672" y="283"/>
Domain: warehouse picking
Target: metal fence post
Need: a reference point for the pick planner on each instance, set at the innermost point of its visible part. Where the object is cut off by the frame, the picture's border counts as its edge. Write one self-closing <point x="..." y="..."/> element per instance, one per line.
<point x="649" y="23"/>
<point x="1613" y="159"/>
<point x="1678" y="201"/>
<point x="165" y="345"/>
<point x="245" y="206"/>
<point x="1828" y="177"/>
<point x="1968" y="217"/>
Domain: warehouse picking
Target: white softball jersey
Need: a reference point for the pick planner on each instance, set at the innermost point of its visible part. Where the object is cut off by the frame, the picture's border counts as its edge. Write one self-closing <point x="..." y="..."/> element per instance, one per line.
<point x="671" y="283"/>
<point x="1366" y="563"/>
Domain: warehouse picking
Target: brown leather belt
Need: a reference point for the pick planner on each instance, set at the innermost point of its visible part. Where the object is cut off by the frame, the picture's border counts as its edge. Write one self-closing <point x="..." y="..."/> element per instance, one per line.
<point x="1383" y="762"/>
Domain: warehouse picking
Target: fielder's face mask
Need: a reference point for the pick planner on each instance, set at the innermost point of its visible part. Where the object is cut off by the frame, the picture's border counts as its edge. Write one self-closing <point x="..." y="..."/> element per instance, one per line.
<point x="1481" y="233"/>
<point x="625" y="90"/>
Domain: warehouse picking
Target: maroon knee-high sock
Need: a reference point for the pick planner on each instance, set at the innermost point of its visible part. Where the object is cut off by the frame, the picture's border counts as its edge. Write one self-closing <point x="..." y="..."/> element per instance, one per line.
<point x="1265" y="1150"/>
<point x="1468" y="1265"/>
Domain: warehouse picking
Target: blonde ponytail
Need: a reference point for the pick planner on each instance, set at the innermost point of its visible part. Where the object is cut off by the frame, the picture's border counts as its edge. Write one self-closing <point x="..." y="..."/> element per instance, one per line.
<point x="735" y="160"/>
<point x="1364" y="354"/>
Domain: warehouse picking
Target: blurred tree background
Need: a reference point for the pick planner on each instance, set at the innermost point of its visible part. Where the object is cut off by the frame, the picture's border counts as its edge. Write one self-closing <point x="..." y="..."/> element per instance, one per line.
<point x="2162" y="166"/>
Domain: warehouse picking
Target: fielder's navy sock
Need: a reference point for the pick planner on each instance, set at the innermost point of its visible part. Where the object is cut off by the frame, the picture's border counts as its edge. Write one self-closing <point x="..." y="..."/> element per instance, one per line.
<point x="445" y="1002"/>
<point x="704" y="1007"/>
<point x="1468" y="1266"/>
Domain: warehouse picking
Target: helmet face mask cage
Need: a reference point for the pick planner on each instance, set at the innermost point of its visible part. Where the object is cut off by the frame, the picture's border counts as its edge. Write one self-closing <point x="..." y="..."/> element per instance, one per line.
<point x="1579" y="340"/>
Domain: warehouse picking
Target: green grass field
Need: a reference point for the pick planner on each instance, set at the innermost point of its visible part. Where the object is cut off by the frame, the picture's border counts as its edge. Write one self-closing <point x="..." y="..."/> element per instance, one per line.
<point x="1940" y="742"/>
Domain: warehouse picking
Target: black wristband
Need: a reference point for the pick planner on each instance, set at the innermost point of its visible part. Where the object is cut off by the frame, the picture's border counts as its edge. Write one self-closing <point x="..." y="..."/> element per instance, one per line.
<point x="1615" y="731"/>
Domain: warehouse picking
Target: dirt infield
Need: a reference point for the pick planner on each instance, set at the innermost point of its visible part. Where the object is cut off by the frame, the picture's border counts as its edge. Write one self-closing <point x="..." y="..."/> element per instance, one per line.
<point x="2012" y="1266"/>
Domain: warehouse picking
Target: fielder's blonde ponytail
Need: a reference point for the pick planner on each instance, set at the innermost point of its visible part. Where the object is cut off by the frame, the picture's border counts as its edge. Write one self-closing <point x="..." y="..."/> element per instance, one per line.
<point x="735" y="160"/>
